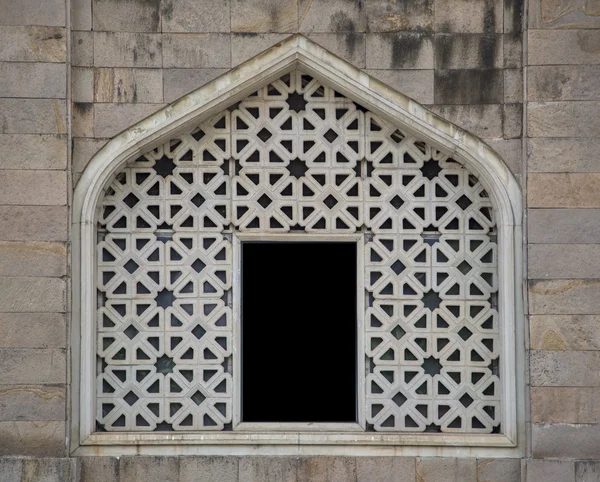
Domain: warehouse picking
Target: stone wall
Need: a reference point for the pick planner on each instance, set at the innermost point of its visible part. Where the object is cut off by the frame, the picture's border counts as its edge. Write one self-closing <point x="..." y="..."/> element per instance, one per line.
<point x="70" y="82"/>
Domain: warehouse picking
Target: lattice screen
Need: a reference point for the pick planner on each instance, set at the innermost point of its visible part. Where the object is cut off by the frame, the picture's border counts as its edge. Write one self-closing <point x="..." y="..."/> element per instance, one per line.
<point x="297" y="156"/>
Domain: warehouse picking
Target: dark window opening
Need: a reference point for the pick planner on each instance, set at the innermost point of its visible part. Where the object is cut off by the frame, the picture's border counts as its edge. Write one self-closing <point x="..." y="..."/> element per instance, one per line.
<point x="299" y="309"/>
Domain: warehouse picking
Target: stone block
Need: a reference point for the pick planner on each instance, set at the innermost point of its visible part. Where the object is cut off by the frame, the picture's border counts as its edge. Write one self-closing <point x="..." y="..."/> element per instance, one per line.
<point x="564" y="332"/>
<point x="119" y="16"/>
<point x="332" y="469"/>
<point x="194" y="51"/>
<point x="126" y="49"/>
<point x="564" y="297"/>
<point x="32" y="330"/>
<point x="560" y="261"/>
<point x="37" y="439"/>
<point x="565" y="404"/>
<point x="565" y="441"/>
<point x="37" y="188"/>
<point x="149" y="469"/>
<point x="192" y="16"/>
<point x="499" y="470"/>
<point x="33" y="44"/>
<point x="37" y="366"/>
<point x="179" y="82"/>
<point x="96" y="469"/>
<point x="550" y="471"/>
<point x="33" y="80"/>
<point x="32" y="295"/>
<point x="512" y="46"/>
<point x="82" y="84"/>
<point x="268" y="469"/>
<point x="32" y="151"/>
<point x="564" y="119"/>
<point x="446" y="469"/>
<point x="81" y="14"/>
<point x="32" y="402"/>
<point x="563" y="82"/>
<point x="82" y="119"/>
<point x="348" y="46"/>
<point x="564" y="190"/>
<point x="564" y="368"/>
<point x="417" y="84"/>
<point x="512" y="121"/>
<point x="483" y="120"/>
<point x="83" y="151"/>
<point x="474" y="86"/>
<point x="31" y="12"/>
<point x="208" y="469"/>
<point x="568" y="47"/>
<point x="513" y="85"/>
<point x="331" y="16"/>
<point x="513" y="15"/>
<point x="563" y="155"/>
<point x="128" y="85"/>
<point x="48" y="470"/>
<point x="244" y="46"/>
<point x="469" y="51"/>
<point x="386" y="16"/>
<point x="33" y="259"/>
<point x="466" y="16"/>
<point x="548" y="14"/>
<point x="263" y="16"/>
<point x="399" y="51"/>
<point x="33" y="223"/>
<point x="32" y="116"/>
<point x="385" y="469"/>
<point x="11" y="469"/>
<point x="564" y="225"/>
<point x="588" y="471"/>
<point x="511" y="151"/>
<point x="82" y="49"/>
<point x="110" y="119"/>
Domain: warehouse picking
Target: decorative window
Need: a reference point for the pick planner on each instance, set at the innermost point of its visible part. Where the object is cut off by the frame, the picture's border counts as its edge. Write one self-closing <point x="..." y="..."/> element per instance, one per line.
<point x="296" y="161"/>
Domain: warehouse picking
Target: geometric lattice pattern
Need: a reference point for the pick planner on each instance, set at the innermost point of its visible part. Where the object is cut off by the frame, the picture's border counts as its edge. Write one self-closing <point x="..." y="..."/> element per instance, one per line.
<point x="297" y="156"/>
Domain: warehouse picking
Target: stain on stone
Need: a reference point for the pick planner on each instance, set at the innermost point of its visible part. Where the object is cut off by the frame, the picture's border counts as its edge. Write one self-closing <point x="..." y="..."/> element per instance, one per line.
<point x="168" y="10"/>
<point x="489" y="17"/>
<point x="488" y="49"/>
<point x="514" y="8"/>
<point x="247" y="34"/>
<point x="83" y="107"/>
<point x="406" y="49"/>
<point x="588" y="42"/>
<point x="470" y="86"/>
<point x="340" y="22"/>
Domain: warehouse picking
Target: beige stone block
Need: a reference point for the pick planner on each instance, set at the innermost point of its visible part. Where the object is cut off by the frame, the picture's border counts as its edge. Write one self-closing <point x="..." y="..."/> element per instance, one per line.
<point x="94" y="469"/>
<point x="564" y="119"/>
<point x="513" y="121"/>
<point x="564" y="190"/>
<point x="33" y="44"/>
<point x="564" y="261"/>
<point x="327" y="16"/>
<point x="565" y="404"/>
<point x="82" y="49"/>
<point x="385" y="469"/>
<point x="110" y="119"/>
<point x="550" y="471"/>
<point x="33" y="259"/>
<point x="82" y="84"/>
<point x="208" y="469"/>
<point x="195" y="51"/>
<point x="498" y="470"/>
<point x="33" y="330"/>
<point x="587" y="471"/>
<point x="417" y="84"/>
<point x="48" y="470"/>
<point x="32" y="366"/>
<point x="84" y="150"/>
<point x="126" y="49"/>
<point x="193" y="16"/>
<point x="555" y="47"/>
<point x="179" y="82"/>
<point x="386" y="16"/>
<point x="483" y="120"/>
<point x="565" y="441"/>
<point x="513" y="85"/>
<point x="263" y="16"/>
<point x="399" y="51"/>
<point x="33" y="223"/>
<point x="469" y="86"/>
<point x="119" y="16"/>
<point x="150" y="469"/>
<point x="32" y="402"/>
<point x="512" y="46"/>
<point x="81" y="14"/>
<point x="36" y="188"/>
<point x="563" y="226"/>
<point x="32" y="12"/>
<point x="348" y="46"/>
<point x="564" y="368"/>
<point x="332" y="469"/>
<point x="244" y="46"/>
<point x="564" y="297"/>
<point x="466" y="16"/>
<point x="37" y="439"/>
<point x="32" y="151"/>
<point x="268" y="469"/>
<point x="11" y="469"/>
<point x="469" y="51"/>
<point x="82" y="119"/>
<point x="446" y="469"/>
<point x="565" y="332"/>
<point x="128" y="85"/>
<point x="32" y="116"/>
<point x="511" y="151"/>
<point x="563" y="155"/>
<point x="33" y="80"/>
<point x="563" y="82"/>
<point x="556" y="14"/>
<point x="31" y="295"/>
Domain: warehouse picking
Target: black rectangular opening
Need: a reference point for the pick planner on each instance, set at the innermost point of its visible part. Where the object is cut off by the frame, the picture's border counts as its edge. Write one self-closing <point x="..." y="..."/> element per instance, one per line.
<point x="299" y="359"/>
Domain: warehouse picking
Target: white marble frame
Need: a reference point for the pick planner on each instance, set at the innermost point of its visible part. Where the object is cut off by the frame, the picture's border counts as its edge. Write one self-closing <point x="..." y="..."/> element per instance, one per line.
<point x="297" y="52"/>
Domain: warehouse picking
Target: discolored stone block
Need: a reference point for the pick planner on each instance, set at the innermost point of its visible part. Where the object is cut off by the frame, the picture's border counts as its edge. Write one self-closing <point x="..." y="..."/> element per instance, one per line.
<point x="128" y="85"/>
<point x="512" y="122"/>
<point x="348" y="46"/>
<point x="82" y="49"/>
<point x="32" y="366"/>
<point x="331" y="16"/>
<point x="446" y="469"/>
<point x="33" y="223"/>
<point x="564" y="368"/>
<point x="385" y="469"/>
<point x="565" y="441"/>
<point x="483" y="120"/>
<point x="332" y="469"/>
<point x="11" y="469"/>
<point x="32" y="402"/>
<point x="268" y="469"/>
<point x="48" y="470"/>
<point x="192" y="16"/>
<point x="563" y="82"/>
<point x="513" y="85"/>
<point x="564" y="332"/>
<point x="32" y="330"/>
<point x="149" y="469"/>
<point x="400" y="16"/>
<point x="512" y="45"/>
<point x="82" y="84"/>
<point x="178" y="82"/>
<point x="264" y="16"/>
<point x="33" y="44"/>
<point x="565" y="404"/>
<point x="564" y="119"/>
<point x="587" y="471"/>
<point x="33" y="259"/>
<point x="126" y="49"/>
<point x="32" y="12"/>
<point x="555" y="47"/>
<point x="119" y="16"/>
<point x="466" y="16"/>
<point x="194" y="51"/>
<point x="32" y="116"/>
<point x="557" y="297"/>
<point x="94" y="469"/>
<point x="246" y="45"/>
<point x="110" y="119"/>
<point x="469" y="51"/>
<point x="33" y="151"/>
<point x="417" y="84"/>
<point x="33" y="80"/>
<point x="399" y="51"/>
<point x="550" y="471"/>
<point x="469" y="86"/>
<point x="208" y="469"/>
<point x="550" y="14"/>
<point x="82" y="119"/>
<point x="37" y="439"/>
<point x="513" y="15"/>
<point x="498" y="470"/>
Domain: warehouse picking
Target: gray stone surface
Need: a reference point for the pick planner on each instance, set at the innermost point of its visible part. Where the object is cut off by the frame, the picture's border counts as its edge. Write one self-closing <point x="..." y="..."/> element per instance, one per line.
<point x="82" y="84"/>
<point x="558" y="297"/>
<point x="513" y="85"/>
<point x="332" y="469"/>
<point x="327" y="16"/>
<point x="563" y="155"/>
<point x="99" y="469"/>
<point x="32" y="402"/>
<point x="587" y="471"/>
<point x="82" y="49"/>
<point x="84" y="150"/>
<point x="399" y="51"/>
<point x="33" y="259"/>
<point x="263" y="16"/>
<point x="119" y="16"/>
<point x="386" y="16"/>
<point x="33" y="44"/>
<point x="30" y="295"/>
<point x="246" y="45"/>
<point x="32" y="366"/>
<point x="484" y="120"/>
<point x="32" y="330"/>
<point x="512" y="121"/>
<point x="466" y="16"/>
<point x="82" y="119"/>
<point x="32" y="12"/>
<point x="268" y="469"/>
<point x="348" y="46"/>
<point x="564" y="332"/>
<point x="48" y="470"/>
<point x="144" y="86"/>
<point x="513" y="50"/>
<point x="126" y="49"/>
<point x="36" y="188"/>
<point x="11" y="469"/>
<point x="193" y="16"/>
<point x="417" y="84"/>
<point x="565" y="368"/>
<point x="568" y="47"/>
<point x="564" y="190"/>
<point x="178" y="82"/>
<point x="208" y="469"/>
<point x="473" y="86"/>
<point x="469" y="51"/>
<point x="511" y="152"/>
<point x="33" y="80"/>
<point x="149" y="469"/>
<point x="559" y="261"/>
<point x="446" y="469"/>
<point x="564" y="119"/>
<point x="563" y="82"/>
<point x="35" y="439"/>
<point x="565" y="441"/>
<point x="32" y="116"/>
<point x="196" y="51"/>
<point x="33" y="223"/>
<point x="565" y="404"/>
<point x="110" y="119"/>
<point x="81" y="14"/>
<point x="385" y="469"/>
<point x="550" y="471"/>
<point x="498" y="470"/>
<point x="563" y="225"/>
<point x="32" y="151"/>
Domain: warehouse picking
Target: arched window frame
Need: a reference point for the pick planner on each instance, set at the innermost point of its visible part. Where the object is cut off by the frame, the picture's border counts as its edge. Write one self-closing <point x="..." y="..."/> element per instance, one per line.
<point x="297" y="52"/>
